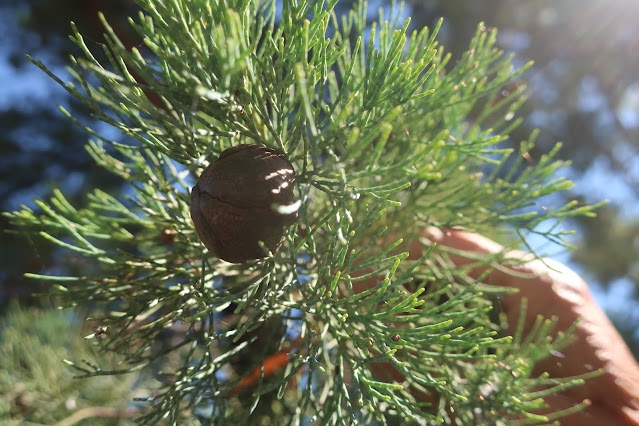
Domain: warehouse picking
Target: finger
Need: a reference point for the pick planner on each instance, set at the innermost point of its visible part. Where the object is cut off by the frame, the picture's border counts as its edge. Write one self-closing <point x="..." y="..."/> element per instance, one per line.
<point x="553" y="290"/>
<point x="550" y="287"/>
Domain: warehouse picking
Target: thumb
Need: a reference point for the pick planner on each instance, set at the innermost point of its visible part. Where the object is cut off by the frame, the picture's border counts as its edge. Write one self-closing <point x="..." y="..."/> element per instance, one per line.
<point x="554" y="290"/>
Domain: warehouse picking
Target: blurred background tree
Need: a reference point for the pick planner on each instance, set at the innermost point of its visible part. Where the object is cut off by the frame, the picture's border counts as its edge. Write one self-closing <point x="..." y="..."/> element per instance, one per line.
<point x="37" y="387"/>
<point x="583" y="90"/>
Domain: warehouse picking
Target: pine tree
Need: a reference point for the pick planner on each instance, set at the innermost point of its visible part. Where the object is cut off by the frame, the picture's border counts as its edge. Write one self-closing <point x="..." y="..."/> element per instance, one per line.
<point x="387" y="138"/>
<point x="37" y="388"/>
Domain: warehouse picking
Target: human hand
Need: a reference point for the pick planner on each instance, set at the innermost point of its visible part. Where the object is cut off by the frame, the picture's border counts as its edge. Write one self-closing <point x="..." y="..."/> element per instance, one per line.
<point x="553" y="290"/>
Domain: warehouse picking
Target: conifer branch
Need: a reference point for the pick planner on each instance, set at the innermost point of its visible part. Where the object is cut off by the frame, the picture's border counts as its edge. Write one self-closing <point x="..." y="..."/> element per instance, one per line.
<point x="385" y="142"/>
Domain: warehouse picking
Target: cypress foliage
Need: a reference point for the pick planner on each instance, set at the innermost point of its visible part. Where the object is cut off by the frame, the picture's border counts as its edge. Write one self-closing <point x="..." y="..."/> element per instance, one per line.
<point x="340" y="326"/>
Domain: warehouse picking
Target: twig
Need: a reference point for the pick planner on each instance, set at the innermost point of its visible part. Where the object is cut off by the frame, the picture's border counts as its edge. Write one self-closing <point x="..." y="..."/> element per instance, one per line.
<point x="90" y="412"/>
